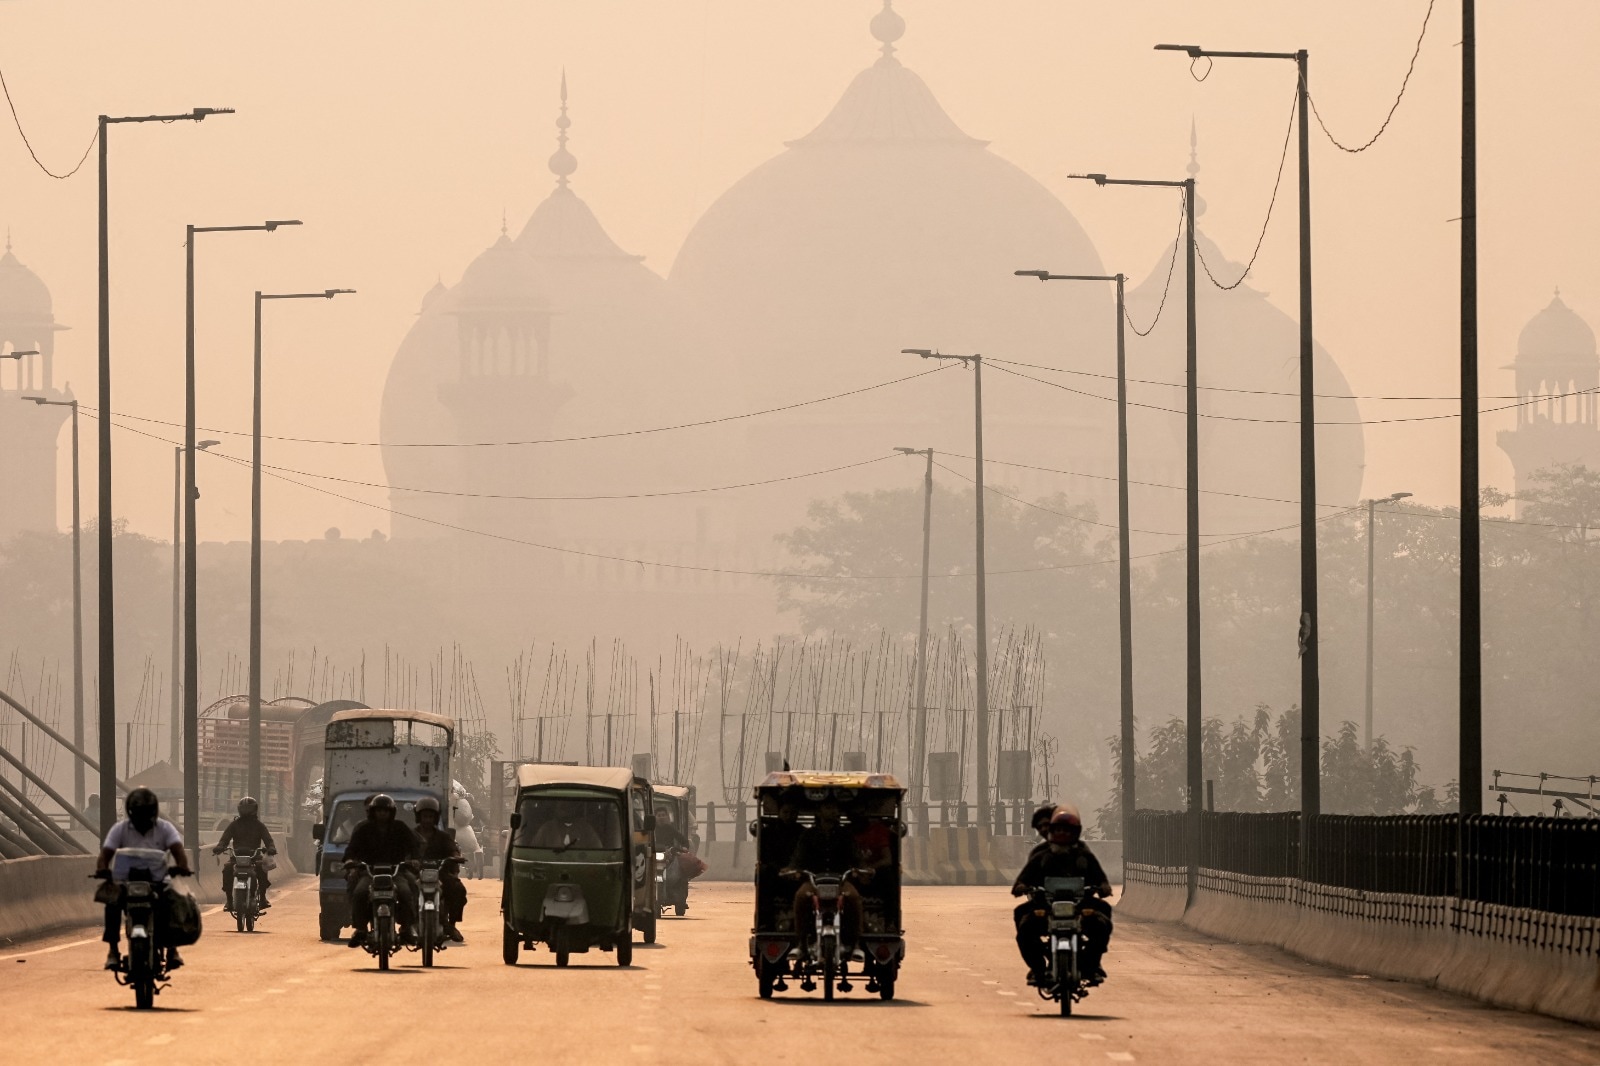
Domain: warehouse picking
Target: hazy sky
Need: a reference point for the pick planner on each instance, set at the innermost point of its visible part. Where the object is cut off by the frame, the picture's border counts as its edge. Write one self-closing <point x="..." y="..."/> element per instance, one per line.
<point x="401" y="131"/>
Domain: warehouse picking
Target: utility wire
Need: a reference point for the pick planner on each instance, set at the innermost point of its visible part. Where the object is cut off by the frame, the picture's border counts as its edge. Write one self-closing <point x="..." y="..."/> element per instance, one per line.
<point x="1277" y="183"/>
<point x="1392" y="107"/>
<point x="17" y="119"/>
<point x="610" y="496"/>
<point x="1167" y="288"/>
<point x="1289" y="421"/>
<point x="551" y="440"/>
<point x="1242" y="392"/>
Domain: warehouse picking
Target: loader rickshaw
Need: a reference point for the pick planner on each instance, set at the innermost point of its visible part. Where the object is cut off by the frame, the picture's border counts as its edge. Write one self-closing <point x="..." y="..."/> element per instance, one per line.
<point x="578" y="869"/>
<point x="827" y="882"/>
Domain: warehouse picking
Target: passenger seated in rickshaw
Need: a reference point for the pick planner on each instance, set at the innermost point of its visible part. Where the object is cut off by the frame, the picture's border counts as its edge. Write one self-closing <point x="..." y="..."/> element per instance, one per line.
<point x="874" y="843"/>
<point x="777" y="842"/>
<point x="562" y="833"/>
<point x="827" y="848"/>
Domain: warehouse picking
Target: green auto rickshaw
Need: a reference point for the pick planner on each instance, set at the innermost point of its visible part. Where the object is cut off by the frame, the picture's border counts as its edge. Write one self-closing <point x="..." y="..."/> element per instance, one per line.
<point x="578" y="870"/>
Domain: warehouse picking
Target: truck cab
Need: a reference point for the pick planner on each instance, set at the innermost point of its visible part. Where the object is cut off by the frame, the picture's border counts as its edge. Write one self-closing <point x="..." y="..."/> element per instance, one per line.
<point x="405" y="754"/>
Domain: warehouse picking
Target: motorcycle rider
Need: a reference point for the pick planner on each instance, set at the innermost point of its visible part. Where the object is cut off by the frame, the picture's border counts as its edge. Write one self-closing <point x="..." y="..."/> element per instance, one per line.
<point x="246" y="833"/>
<point x="827" y="848"/>
<point x="1063" y="855"/>
<point x="380" y="840"/>
<point x="143" y="828"/>
<point x="439" y="846"/>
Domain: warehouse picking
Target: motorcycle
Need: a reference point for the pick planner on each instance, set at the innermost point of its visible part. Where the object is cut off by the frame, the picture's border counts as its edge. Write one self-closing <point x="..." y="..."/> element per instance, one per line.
<point x="823" y="953"/>
<point x="672" y="887"/>
<point x="431" y="935"/>
<point x="383" y="940"/>
<point x="243" y="899"/>
<point x="1061" y="902"/>
<point x="138" y="875"/>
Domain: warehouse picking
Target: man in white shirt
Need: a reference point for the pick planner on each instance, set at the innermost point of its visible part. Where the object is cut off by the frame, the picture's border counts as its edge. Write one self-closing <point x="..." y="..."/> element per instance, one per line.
<point x="143" y="828"/>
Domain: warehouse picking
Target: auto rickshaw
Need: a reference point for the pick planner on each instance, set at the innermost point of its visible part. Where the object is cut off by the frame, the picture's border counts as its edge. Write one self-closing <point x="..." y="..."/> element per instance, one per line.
<point x="578" y="868"/>
<point x="868" y="807"/>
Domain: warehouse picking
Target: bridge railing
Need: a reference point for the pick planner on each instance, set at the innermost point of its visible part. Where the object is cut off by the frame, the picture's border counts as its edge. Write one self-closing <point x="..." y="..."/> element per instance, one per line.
<point x="1545" y="864"/>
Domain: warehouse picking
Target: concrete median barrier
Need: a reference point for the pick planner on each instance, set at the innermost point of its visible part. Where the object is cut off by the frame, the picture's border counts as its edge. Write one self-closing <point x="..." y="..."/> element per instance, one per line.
<point x="44" y="894"/>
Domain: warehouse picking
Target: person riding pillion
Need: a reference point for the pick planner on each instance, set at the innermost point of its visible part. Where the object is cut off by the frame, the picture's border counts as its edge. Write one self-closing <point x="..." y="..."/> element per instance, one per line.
<point x="439" y="846"/>
<point x="381" y="840"/>
<point x="143" y="828"/>
<point x="1063" y="855"/>
<point x="245" y="834"/>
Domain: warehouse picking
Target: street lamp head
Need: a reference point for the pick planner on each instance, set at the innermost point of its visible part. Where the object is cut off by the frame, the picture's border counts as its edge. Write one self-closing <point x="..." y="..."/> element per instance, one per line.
<point x="1399" y="496"/>
<point x="203" y="445"/>
<point x="1098" y="179"/>
<point x="273" y="224"/>
<point x="908" y="451"/>
<point x="1194" y="51"/>
<point x="18" y="355"/>
<point x="331" y="293"/>
<point x="926" y="353"/>
<point x="199" y="114"/>
<point x="1042" y="275"/>
<point x="36" y="399"/>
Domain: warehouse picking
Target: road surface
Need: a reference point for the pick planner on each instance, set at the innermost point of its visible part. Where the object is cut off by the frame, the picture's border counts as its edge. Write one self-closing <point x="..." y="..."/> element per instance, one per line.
<point x="1174" y="996"/>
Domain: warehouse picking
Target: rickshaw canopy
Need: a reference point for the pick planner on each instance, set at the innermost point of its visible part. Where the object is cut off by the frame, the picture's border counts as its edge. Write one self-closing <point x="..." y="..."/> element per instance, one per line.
<point x="614" y="778"/>
<point x="830" y="779"/>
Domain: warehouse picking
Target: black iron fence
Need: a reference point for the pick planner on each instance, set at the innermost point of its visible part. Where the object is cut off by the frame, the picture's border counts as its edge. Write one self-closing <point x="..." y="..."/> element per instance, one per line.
<point x="1546" y="864"/>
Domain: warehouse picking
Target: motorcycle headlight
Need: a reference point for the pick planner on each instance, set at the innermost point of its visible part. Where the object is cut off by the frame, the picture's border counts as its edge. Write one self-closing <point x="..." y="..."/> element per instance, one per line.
<point x="138" y="889"/>
<point x="1063" y="908"/>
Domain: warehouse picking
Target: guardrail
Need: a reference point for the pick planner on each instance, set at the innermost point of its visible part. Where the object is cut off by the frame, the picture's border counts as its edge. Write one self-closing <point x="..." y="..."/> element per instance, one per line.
<point x="1543" y="864"/>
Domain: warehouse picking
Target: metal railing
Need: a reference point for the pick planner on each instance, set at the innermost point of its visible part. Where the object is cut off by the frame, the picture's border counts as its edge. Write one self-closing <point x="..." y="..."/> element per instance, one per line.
<point x="1544" y="864"/>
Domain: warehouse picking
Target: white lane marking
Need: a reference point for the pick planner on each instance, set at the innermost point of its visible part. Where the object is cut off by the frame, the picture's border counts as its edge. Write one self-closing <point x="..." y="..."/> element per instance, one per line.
<point x="159" y="1039"/>
<point x="1004" y="992"/>
<point x="991" y="982"/>
<point x="294" y="980"/>
<point x="642" y="1049"/>
<point x="276" y="991"/>
<point x="1090" y="1036"/>
<point x="1119" y="1056"/>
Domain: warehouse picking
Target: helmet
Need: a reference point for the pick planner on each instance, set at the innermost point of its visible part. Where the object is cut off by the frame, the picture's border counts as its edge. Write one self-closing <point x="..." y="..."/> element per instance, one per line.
<point x="1042" y="816"/>
<point x="143" y="808"/>
<point x="248" y="807"/>
<point x="1066" y="817"/>
<point x="427" y="803"/>
<point x="381" y="802"/>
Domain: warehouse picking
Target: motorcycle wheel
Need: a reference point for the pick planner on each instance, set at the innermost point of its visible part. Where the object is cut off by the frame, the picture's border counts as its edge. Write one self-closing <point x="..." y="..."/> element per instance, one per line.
<point x="830" y="964"/>
<point x="1066" y="982"/>
<point x="385" y="935"/>
<point x="141" y="978"/>
<point x="510" y="944"/>
<point x="764" y="978"/>
<point x="429" y="935"/>
<point x="240" y="904"/>
<point x="250" y="921"/>
<point x="680" y="909"/>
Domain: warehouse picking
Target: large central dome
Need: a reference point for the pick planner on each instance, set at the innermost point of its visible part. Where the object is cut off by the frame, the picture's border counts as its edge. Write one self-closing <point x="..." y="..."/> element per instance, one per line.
<point x="888" y="227"/>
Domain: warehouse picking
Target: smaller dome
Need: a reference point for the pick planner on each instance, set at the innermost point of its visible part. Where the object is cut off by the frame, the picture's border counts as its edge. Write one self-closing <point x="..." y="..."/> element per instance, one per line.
<point x="502" y="277"/>
<point x="432" y="295"/>
<point x="22" y="294"/>
<point x="1556" y="335"/>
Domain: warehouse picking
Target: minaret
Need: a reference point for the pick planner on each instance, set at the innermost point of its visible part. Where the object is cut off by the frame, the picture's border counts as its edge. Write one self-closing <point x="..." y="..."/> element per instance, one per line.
<point x="1557" y="372"/>
<point x="29" y="433"/>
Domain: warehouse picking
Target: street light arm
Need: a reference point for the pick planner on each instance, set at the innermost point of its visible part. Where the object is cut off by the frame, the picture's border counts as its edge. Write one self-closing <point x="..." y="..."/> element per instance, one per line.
<point x="197" y="115"/>
<point x="1101" y="179"/>
<point x="325" y="294"/>
<point x="1194" y="51"/>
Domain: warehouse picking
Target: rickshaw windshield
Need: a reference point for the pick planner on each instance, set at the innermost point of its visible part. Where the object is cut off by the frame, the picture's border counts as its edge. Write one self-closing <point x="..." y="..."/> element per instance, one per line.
<point x="557" y="823"/>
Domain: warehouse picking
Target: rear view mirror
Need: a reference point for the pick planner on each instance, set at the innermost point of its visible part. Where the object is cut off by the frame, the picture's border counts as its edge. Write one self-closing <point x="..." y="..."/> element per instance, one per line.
<point x="752" y="828"/>
<point x="317" y="831"/>
<point x="516" y="821"/>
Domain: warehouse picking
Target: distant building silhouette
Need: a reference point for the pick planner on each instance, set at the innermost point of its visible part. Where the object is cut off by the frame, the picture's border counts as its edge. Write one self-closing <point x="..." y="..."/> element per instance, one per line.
<point x="28" y="432"/>
<point x="1557" y="371"/>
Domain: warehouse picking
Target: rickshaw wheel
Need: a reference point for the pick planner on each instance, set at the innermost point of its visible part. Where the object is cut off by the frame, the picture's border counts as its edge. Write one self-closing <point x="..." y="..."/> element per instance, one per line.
<point x="886" y="986"/>
<point x="764" y="978"/>
<point x="562" y="957"/>
<point x="625" y="952"/>
<point x="510" y="944"/>
<point x="649" y="929"/>
<point x="680" y="909"/>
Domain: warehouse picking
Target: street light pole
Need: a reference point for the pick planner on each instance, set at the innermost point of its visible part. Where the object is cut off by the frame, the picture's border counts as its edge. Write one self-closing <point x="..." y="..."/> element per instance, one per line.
<point x="191" y="633"/>
<point x="919" y="742"/>
<point x="1310" y="658"/>
<point x="77" y="605"/>
<point x="1193" y="722"/>
<point x="107" y="618"/>
<point x="255" y="533"/>
<point x="982" y="725"/>
<point x="1371" y="504"/>
<point x="1470" y="775"/>
<point x="1126" y="763"/>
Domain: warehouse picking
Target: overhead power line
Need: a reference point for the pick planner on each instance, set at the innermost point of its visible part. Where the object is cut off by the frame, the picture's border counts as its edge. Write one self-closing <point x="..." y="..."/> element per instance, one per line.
<point x="1277" y="183"/>
<point x="1167" y="288"/>
<point x="17" y="119"/>
<point x="1404" y="82"/>
<point x="550" y="440"/>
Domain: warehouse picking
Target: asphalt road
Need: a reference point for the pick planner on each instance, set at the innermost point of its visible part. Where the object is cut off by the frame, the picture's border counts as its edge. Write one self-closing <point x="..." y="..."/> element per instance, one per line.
<point x="280" y="995"/>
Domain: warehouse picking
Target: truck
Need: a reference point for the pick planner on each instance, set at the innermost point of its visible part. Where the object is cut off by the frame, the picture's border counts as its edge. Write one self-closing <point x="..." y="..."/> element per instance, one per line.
<point x="405" y="754"/>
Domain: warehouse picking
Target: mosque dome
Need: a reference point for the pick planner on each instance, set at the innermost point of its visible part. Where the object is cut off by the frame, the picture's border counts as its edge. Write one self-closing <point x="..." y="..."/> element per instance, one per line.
<point x="23" y="295"/>
<point x="1556" y="335"/>
<point x="888" y="227"/>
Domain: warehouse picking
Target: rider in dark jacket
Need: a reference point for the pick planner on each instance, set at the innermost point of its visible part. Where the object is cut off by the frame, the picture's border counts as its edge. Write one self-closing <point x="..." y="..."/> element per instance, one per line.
<point x="1063" y="855"/>
<point x="381" y="840"/>
<point x="245" y="834"/>
<point x="439" y="846"/>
